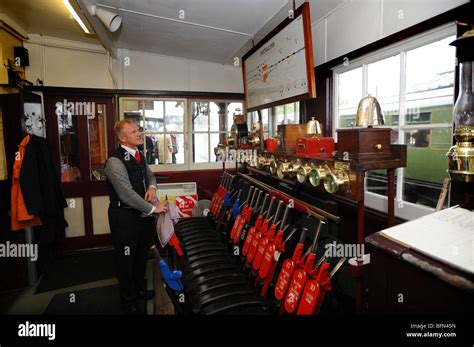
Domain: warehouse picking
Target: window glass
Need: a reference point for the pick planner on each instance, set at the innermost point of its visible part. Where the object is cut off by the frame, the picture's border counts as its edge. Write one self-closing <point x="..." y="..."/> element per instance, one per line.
<point x="217" y="116"/>
<point x="97" y="131"/>
<point x="201" y="148"/>
<point x="211" y="123"/>
<point x="200" y="116"/>
<point x="280" y="115"/>
<point x="426" y="127"/>
<point x="426" y="164"/>
<point x="233" y="107"/>
<point x="349" y="95"/>
<point x="430" y="82"/>
<point x="429" y="100"/>
<point x="216" y="138"/>
<point x="174" y="116"/>
<point x="69" y="146"/>
<point x="253" y="118"/>
<point x="292" y="113"/>
<point x="153" y="112"/>
<point x="164" y="148"/>
<point x="376" y="182"/>
<point x="162" y="123"/>
<point x="384" y="84"/>
<point x="265" y="121"/>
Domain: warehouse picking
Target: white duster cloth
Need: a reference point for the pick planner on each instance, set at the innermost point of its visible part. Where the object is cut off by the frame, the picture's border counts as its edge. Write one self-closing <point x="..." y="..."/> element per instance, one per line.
<point x="165" y="224"/>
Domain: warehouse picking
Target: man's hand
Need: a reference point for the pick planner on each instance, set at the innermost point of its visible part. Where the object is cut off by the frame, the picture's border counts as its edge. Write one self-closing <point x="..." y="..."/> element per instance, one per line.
<point x="150" y="194"/>
<point x="161" y="207"/>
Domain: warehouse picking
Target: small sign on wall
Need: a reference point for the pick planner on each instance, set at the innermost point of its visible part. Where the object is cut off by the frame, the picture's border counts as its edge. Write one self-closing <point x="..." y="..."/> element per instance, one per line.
<point x="184" y="203"/>
<point x="183" y="195"/>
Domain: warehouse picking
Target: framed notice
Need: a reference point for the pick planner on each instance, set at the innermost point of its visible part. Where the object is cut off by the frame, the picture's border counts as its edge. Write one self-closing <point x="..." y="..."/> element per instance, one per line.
<point x="280" y="68"/>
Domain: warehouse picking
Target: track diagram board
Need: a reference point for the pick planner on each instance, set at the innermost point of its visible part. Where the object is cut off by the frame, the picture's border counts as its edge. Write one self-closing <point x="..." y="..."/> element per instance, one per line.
<point x="277" y="70"/>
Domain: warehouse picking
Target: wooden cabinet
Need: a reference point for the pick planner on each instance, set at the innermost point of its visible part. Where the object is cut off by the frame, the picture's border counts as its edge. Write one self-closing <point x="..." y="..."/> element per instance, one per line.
<point x="289" y="134"/>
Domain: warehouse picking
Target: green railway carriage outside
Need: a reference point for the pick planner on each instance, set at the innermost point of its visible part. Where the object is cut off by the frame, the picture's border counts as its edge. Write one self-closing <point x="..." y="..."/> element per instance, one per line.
<point x="428" y="141"/>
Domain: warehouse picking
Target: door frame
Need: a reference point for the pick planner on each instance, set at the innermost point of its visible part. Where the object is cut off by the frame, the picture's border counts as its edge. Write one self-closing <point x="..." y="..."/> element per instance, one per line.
<point x="86" y="189"/>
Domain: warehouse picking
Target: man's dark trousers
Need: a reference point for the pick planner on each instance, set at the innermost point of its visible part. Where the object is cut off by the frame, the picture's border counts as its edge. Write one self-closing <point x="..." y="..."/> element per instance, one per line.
<point x="131" y="239"/>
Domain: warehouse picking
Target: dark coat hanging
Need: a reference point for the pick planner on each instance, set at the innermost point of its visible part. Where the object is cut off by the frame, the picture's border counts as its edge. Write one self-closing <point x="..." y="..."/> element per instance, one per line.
<point x="41" y="187"/>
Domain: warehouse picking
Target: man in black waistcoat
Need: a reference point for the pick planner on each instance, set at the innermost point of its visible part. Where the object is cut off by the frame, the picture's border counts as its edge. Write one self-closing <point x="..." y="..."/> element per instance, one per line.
<point x="132" y="188"/>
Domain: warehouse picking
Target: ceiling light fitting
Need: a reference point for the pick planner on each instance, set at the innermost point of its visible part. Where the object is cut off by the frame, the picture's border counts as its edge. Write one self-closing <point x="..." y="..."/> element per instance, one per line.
<point x="111" y="20"/>
<point x="76" y="16"/>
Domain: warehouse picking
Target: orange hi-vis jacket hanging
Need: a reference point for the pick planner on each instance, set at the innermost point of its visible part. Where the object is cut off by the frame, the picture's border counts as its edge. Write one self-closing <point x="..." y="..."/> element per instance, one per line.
<point x="20" y="216"/>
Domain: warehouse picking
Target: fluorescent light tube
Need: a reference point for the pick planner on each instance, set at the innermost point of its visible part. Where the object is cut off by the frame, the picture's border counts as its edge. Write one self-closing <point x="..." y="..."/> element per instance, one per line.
<point x="76" y="16"/>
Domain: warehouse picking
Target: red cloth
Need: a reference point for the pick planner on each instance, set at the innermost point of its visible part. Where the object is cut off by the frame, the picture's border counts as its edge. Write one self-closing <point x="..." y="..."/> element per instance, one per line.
<point x="21" y="218"/>
<point x="137" y="156"/>
<point x="175" y="243"/>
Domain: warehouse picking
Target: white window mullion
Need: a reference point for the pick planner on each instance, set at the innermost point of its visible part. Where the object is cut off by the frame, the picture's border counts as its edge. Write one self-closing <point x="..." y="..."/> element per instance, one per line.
<point x="188" y="134"/>
<point x="426" y="126"/>
<point x="299" y="118"/>
<point x="270" y="122"/>
<point x="189" y="142"/>
<point x="401" y="124"/>
<point x="225" y="116"/>
<point x="208" y="131"/>
<point x="403" y="78"/>
<point x="335" y="105"/>
<point x="365" y="80"/>
<point x="365" y="92"/>
<point x="164" y="130"/>
<point x="274" y="120"/>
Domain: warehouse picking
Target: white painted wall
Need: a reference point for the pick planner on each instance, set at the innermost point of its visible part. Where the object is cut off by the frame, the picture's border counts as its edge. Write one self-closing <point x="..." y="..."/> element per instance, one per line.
<point x="158" y="72"/>
<point x="63" y="63"/>
<point x="353" y="24"/>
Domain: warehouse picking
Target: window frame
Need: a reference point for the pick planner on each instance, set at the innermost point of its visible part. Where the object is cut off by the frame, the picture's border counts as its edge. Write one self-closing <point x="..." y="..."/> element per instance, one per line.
<point x="272" y="117"/>
<point x="252" y="117"/>
<point x="210" y="165"/>
<point x="374" y="200"/>
<point x="187" y="133"/>
<point x="161" y="167"/>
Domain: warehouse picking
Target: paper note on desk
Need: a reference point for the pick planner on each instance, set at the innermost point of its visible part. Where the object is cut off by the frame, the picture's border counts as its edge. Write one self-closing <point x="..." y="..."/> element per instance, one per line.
<point x="447" y="235"/>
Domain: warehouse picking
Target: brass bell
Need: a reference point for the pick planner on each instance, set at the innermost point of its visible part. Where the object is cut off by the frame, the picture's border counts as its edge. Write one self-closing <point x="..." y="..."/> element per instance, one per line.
<point x="369" y="112"/>
<point x="313" y="128"/>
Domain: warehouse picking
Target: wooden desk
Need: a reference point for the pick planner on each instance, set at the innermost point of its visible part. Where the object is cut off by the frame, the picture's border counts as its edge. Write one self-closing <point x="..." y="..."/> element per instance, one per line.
<point x="421" y="283"/>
